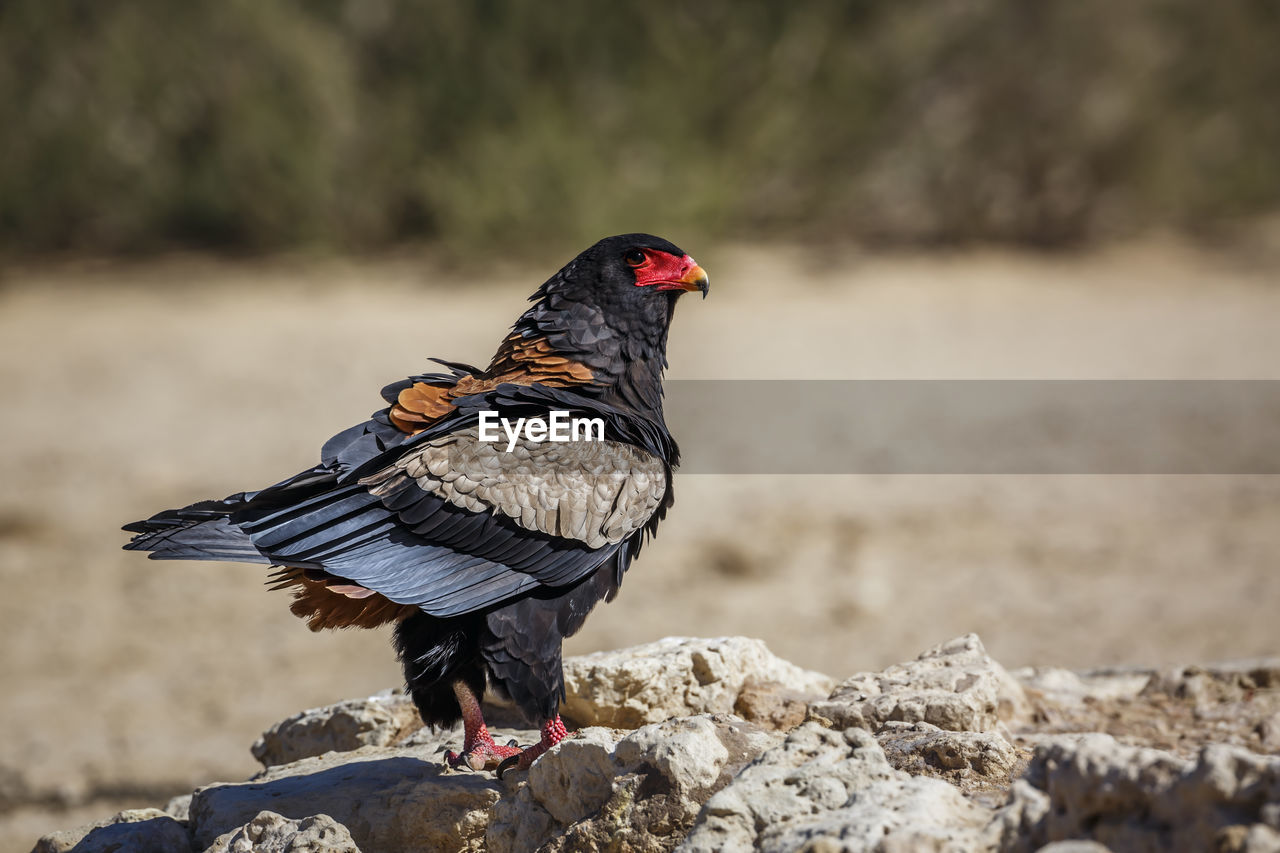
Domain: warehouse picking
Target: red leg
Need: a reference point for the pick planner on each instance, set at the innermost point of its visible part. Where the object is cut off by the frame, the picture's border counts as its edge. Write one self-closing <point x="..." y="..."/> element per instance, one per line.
<point x="478" y="749"/>
<point x="552" y="733"/>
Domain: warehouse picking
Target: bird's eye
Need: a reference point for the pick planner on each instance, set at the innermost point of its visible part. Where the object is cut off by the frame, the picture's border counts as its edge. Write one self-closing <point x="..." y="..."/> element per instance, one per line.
<point x="634" y="258"/>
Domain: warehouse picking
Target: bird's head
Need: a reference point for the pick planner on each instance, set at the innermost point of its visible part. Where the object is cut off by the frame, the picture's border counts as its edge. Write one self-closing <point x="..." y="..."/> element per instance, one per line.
<point x="635" y="274"/>
<point x="607" y="312"/>
<point x="650" y="262"/>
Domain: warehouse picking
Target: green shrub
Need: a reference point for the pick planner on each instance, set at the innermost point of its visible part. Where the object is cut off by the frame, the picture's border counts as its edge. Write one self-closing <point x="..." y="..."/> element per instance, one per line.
<point x="360" y="123"/>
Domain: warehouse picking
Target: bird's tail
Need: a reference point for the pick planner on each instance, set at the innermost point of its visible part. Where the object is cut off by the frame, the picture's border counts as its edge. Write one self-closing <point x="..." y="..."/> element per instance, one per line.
<point x="212" y="530"/>
<point x="202" y="531"/>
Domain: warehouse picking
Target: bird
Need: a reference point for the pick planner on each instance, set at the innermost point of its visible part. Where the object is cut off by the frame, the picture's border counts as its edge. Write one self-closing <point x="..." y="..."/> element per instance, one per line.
<point x="484" y="554"/>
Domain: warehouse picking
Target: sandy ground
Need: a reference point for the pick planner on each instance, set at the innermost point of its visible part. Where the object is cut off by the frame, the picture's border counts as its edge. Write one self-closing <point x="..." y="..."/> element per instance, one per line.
<point x="132" y="388"/>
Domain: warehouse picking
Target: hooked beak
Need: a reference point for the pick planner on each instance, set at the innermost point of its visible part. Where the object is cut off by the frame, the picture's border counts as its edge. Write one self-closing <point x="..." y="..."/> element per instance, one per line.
<point x="694" y="278"/>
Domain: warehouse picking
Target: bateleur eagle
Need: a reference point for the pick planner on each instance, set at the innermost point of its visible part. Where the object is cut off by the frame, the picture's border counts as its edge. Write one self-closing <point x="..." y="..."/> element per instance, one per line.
<point x="484" y="558"/>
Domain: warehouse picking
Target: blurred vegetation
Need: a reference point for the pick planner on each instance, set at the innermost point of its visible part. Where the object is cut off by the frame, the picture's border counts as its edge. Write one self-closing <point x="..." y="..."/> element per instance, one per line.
<point x="361" y="123"/>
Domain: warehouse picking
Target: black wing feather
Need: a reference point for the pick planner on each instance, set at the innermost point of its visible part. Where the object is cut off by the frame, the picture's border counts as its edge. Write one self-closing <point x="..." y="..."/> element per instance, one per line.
<point x="411" y="546"/>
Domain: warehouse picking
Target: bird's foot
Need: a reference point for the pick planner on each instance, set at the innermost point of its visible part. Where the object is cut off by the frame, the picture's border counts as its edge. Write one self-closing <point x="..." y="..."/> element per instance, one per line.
<point x="479" y="752"/>
<point x="552" y="733"/>
<point x="482" y="754"/>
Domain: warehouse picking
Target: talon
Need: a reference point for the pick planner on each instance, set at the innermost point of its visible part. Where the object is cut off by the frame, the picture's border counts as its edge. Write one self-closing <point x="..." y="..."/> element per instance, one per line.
<point x="478" y="749"/>
<point x="480" y="752"/>
<point x="552" y="733"/>
<point x="472" y="759"/>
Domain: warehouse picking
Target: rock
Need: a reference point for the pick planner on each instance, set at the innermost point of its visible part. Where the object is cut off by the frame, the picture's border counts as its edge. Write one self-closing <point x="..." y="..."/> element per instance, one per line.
<point x="1269" y="732"/>
<point x="1132" y="798"/>
<point x="772" y="705"/>
<point x="1066" y="687"/>
<point x="179" y="807"/>
<point x="388" y="798"/>
<point x="954" y="686"/>
<point x="273" y="833"/>
<point x="1011" y="826"/>
<point x="975" y="762"/>
<point x="573" y="781"/>
<point x="135" y="830"/>
<point x="1181" y="709"/>
<point x="925" y="755"/>
<point x="637" y="792"/>
<point x="379" y="720"/>
<point x="1215" y="683"/>
<point x="677" y="677"/>
<point x="827" y="790"/>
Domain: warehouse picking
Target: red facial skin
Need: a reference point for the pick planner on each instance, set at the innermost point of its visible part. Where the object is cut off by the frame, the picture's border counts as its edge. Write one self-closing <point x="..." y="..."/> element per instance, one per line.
<point x="667" y="272"/>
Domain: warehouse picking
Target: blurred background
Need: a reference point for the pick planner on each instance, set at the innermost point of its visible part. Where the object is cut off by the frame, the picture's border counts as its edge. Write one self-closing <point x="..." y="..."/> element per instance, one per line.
<point x="225" y="225"/>
<point x="358" y="124"/>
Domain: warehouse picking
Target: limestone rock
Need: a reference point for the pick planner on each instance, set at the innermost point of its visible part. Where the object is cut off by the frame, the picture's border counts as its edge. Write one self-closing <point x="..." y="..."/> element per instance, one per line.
<point x="379" y="720"/>
<point x="390" y="799"/>
<point x="1216" y="683"/>
<point x="926" y="755"/>
<point x="135" y="830"/>
<point x="273" y="833"/>
<point x="827" y="790"/>
<point x="677" y="677"/>
<point x="975" y="762"/>
<point x="1178" y="709"/>
<point x="954" y="686"/>
<point x="772" y="705"/>
<point x="1067" y="687"/>
<point x="179" y="807"/>
<point x="637" y="792"/>
<point x="1269" y="732"/>
<point x="1132" y="798"/>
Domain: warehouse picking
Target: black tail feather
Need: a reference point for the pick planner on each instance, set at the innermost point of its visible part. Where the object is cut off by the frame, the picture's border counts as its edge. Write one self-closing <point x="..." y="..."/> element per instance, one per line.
<point x="211" y="530"/>
<point x="173" y="538"/>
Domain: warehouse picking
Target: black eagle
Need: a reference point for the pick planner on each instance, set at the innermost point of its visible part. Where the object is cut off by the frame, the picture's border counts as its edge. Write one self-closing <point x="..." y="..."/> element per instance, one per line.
<point x="486" y="555"/>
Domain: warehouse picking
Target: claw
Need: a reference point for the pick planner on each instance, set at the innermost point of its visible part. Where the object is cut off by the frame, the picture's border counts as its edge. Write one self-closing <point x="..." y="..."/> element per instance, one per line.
<point x="480" y="752"/>
<point x="477" y="758"/>
<point x="478" y="748"/>
<point x="507" y="763"/>
<point x="552" y="733"/>
<point x="481" y="755"/>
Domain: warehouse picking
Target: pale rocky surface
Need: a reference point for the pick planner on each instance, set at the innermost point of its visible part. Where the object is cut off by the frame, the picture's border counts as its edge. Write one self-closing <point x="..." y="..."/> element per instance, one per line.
<point x="975" y="762"/>
<point x="949" y="752"/>
<point x="388" y="798"/>
<point x="678" y="676"/>
<point x="273" y="833"/>
<point x="954" y="686"/>
<point x="1180" y="709"/>
<point x="1139" y="799"/>
<point x="641" y="792"/>
<point x="379" y="720"/>
<point x="142" y="830"/>
<point x="837" y="790"/>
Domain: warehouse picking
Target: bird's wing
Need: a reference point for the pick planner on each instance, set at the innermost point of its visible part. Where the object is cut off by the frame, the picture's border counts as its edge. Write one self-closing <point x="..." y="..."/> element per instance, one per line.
<point x="594" y="492"/>
<point x="454" y="524"/>
<point x="437" y="518"/>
